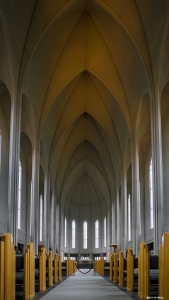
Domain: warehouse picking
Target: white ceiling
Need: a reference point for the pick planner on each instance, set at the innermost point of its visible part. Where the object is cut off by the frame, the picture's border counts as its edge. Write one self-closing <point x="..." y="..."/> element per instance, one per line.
<point x="83" y="70"/>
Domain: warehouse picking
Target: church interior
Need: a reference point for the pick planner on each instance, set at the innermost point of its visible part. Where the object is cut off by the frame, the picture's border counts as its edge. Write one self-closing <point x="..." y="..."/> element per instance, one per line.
<point x="84" y="125"/>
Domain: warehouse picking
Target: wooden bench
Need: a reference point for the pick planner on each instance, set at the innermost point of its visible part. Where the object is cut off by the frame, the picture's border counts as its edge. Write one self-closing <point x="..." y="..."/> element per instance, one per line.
<point x="99" y="266"/>
<point x="7" y="267"/>
<point x="164" y="267"/>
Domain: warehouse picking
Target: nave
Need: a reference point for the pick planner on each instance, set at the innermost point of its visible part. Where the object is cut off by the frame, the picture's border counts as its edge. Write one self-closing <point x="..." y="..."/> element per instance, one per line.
<point x="84" y="138"/>
<point x="88" y="286"/>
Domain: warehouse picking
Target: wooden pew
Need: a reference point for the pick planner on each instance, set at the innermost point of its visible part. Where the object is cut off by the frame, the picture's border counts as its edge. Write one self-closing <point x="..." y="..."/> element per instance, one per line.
<point x="60" y="268"/>
<point x="99" y="266"/>
<point x="35" y="268"/>
<point x="127" y="270"/>
<point x="50" y="269"/>
<point x="130" y="270"/>
<point x="111" y="257"/>
<point x="2" y="274"/>
<point x="29" y="272"/>
<point x="121" y="268"/>
<point x="115" y="266"/>
<point x="56" y="268"/>
<point x="143" y="271"/>
<point x="70" y="267"/>
<point x="7" y="268"/>
<point x="164" y="267"/>
<point x="42" y="270"/>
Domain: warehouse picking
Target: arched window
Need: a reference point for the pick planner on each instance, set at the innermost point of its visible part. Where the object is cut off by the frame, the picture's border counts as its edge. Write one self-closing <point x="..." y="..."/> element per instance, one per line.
<point x="19" y="195"/>
<point x="65" y="232"/>
<point x="129" y="218"/>
<point x="73" y="233"/>
<point x="97" y="234"/>
<point x="41" y="215"/>
<point x="105" y="232"/>
<point x="85" y="235"/>
<point x="151" y="194"/>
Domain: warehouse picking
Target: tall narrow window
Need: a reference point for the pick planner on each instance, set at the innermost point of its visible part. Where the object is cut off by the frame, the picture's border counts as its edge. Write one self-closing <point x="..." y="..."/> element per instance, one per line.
<point x="19" y="195"/>
<point x="65" y="232"/>
<point x="85" y="235"/>
<point x="73" y="233"/>
<point x="40" y="214"/>
<point x="151" y="195"/>
<point x="129" y="218"/>
<point x="30" y="207"/>
<point x="105" y="232"/>
<point x="97" y="234"/>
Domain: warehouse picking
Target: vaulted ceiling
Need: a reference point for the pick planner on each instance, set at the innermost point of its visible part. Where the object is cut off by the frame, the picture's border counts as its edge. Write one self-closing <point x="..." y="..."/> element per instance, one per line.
<point x="82" y="69"/>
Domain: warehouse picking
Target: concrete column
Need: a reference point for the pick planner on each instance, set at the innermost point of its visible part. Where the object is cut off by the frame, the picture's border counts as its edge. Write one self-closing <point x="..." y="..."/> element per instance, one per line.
<point x="28" y="210"/>
<point x="35" y="196"/>
<point x="46" y="221"/>
<point x="61" y="224"/>
<point x="114" y="218"/>
<point x="135" y="190"/>
<point x="124" y="211"/>
<point x="51" y="234"/>
<point x="111" y="222"/>
<point x="14" y="151"/>
<point x="119" y="225"/>
<point x="57" y="225"/>
<point x="157" y="170"/>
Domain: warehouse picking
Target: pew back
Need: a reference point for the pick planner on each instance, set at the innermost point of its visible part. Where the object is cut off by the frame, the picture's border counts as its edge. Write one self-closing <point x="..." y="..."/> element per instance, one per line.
<point x="164" y="267"/>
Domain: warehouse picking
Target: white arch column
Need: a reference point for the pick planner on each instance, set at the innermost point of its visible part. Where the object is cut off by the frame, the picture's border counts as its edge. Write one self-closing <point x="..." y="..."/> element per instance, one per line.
<point x="113" y="237"/>
<point x="124" y="211"/>
<point x="14" y="151"/>
<point x="35" y="196"/>
<point x="135" y="189"/>
<point x="157" y="170"/>
<point x="52" y="215"/>
<point x="57" y="224"/>
<point x="61" y="231"/>
<point x="119" y="218"/>
<point x="46" y="221"/>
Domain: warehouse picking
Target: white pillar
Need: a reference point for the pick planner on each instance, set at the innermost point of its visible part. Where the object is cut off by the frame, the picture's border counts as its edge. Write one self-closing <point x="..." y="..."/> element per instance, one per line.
<point x="52" y="216"/>
<point x="124" y="210"/>
<point x="157" y="170"/>
<point x="35" y="196"/>
<point x="135" y="190"/>
<point x="57" y="225"/>
<point x="46" y="220"/>
<point x="113" y="238"/>
<point x="14" y="151"/>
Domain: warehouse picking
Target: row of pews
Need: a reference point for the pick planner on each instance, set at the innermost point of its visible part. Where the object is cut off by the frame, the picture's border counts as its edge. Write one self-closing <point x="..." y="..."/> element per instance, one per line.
<point x="29" y="271"/>
<point x="142" y="273"/>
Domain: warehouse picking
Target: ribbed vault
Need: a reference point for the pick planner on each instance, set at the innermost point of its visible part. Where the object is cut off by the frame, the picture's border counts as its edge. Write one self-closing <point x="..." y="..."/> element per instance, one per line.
<point x="85" y="71"/>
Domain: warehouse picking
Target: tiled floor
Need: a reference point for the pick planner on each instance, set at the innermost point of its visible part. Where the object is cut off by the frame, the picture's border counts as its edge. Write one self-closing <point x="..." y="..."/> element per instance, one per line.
<point x="87" y="286"/>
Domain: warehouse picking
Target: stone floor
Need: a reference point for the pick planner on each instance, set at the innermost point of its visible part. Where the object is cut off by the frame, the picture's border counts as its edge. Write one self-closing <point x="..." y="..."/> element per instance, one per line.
<point x="89" y="286"/>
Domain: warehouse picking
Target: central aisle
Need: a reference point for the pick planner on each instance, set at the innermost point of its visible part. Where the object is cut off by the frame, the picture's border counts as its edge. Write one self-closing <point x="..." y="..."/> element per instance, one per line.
<point x="87" y="286"/>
